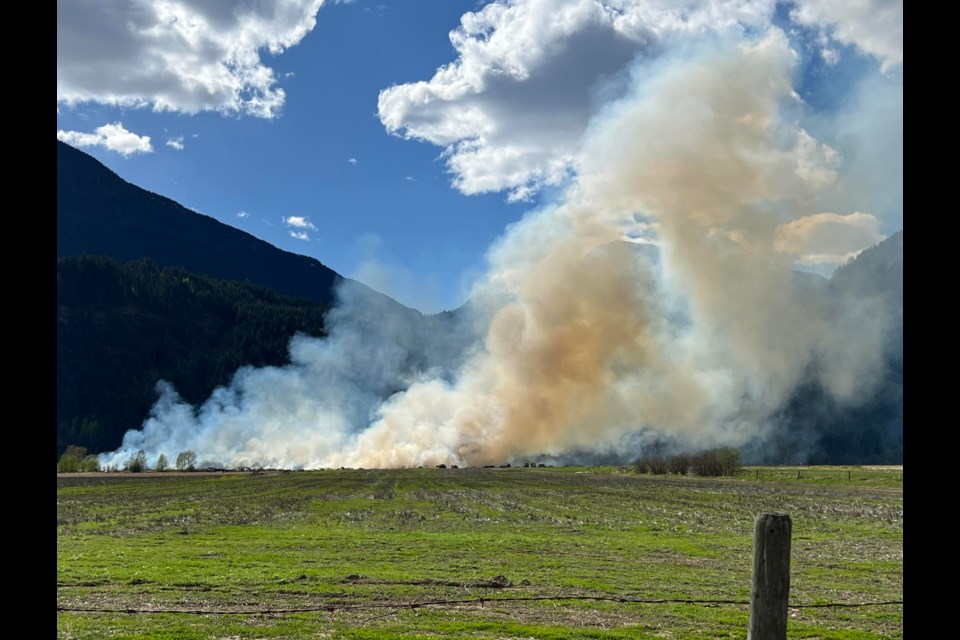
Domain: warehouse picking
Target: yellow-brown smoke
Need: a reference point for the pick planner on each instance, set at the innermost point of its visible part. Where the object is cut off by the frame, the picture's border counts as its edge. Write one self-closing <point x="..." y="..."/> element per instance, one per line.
<point x="586" y="350"/>
<point x="588" y="341"/>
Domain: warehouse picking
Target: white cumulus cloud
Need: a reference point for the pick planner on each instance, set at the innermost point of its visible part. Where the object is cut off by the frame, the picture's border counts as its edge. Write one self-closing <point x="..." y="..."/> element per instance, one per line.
<point x="300" y="235"/>
<point x="299" y="222"/>
<point x="242" y="214"/>
<point x="110" y="136"/>
<point x="873" y="26"/>
<point x="529" y="74"/>
<point x="511" y="109"/>
<point x="177" y="55"/>
<point x="176" y="143"/>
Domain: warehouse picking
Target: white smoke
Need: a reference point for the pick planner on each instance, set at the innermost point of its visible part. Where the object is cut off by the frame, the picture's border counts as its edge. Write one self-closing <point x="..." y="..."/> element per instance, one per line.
<point x="304" y="413"/>
<point x="576" y="340"/>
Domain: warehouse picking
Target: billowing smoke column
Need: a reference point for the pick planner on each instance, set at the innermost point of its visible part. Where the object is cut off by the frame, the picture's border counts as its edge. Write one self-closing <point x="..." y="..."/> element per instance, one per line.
<point x="649" y="303"/>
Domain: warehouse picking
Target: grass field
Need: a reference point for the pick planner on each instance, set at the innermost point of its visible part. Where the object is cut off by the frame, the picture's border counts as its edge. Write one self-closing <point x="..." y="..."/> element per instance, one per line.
<point x="356" y="548"/>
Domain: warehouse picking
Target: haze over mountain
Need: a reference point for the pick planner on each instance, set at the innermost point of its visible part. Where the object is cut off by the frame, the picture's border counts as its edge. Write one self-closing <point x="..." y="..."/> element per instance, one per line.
<point x="124" y="327"/>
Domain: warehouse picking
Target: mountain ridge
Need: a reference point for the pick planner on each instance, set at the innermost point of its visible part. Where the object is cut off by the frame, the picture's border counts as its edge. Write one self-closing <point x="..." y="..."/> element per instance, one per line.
<point x="100" y="213"/>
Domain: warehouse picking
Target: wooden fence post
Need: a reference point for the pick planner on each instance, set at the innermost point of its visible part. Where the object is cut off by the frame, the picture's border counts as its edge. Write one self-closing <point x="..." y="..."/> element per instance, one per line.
<point x="771" y="577"/>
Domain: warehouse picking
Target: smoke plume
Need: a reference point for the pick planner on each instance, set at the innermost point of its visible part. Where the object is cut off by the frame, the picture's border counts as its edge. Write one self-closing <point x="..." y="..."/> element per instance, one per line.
<point x="648" y="304"/>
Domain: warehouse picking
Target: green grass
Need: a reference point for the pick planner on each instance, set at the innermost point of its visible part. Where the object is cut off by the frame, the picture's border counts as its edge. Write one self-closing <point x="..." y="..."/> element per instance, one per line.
<point x="859" y="476"/>
<point x="359" y="546"/>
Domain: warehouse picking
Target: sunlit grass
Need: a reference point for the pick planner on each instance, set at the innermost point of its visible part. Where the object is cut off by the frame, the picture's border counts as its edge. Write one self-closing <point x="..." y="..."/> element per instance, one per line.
<point x="343" y="539"/>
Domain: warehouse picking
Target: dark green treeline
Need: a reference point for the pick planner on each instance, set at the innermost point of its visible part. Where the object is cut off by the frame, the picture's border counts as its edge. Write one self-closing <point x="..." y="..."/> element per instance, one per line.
<point x="123" y="327"/>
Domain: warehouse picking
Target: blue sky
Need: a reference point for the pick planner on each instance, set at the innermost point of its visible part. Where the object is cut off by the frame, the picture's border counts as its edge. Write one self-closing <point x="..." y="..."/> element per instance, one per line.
<point x="407" y="188"/>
